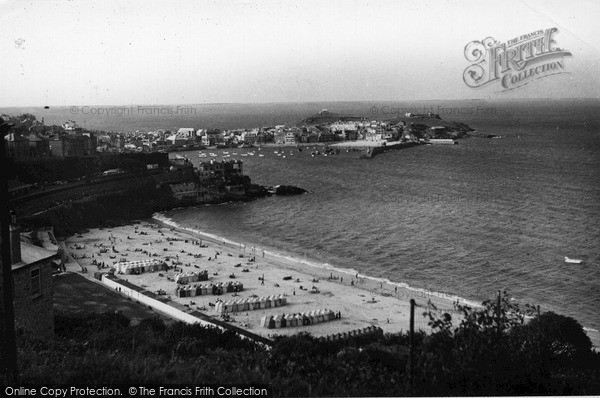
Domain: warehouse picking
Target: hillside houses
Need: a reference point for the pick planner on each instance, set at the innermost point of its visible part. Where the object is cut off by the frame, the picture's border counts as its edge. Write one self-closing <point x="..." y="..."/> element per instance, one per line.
<point x="30" y="138"/>
<point x="183" y="136"/>
<point x="210" y="181"/>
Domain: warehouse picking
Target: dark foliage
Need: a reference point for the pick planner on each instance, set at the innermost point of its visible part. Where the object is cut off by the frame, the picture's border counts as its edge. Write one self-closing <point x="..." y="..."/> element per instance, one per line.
<point x="137" y="200"/>
<point x="492" y="351"/>
<point x="69" y="168"/>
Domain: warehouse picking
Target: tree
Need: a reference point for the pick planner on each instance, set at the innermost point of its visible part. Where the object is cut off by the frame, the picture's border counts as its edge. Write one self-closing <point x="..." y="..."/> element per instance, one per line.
<point x="560" y="337"/>
<point x="133" y="166"/>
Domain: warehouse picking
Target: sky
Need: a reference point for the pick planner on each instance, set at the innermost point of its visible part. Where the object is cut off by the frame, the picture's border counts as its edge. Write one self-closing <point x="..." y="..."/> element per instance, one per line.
<point x="107" y="52"/>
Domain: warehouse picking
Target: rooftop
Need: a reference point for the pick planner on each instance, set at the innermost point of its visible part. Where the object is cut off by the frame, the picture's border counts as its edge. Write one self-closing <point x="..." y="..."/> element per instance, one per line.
<point x="32" y="254"/>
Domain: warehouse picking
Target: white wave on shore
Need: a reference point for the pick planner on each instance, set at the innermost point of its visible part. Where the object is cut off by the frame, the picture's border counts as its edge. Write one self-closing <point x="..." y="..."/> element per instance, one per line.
<point x="411" y="292"/>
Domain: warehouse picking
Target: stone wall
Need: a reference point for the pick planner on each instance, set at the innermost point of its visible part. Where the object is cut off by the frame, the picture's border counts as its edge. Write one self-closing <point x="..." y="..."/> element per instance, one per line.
<point x="34" y="313"/>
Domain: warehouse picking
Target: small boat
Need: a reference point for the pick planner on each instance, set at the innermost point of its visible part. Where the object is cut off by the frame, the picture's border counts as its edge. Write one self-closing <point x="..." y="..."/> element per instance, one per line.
<point x="572" y="260"/>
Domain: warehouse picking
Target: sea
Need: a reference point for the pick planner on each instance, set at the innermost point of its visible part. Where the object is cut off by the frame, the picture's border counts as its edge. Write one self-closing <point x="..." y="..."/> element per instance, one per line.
<point x="457" y="221"/>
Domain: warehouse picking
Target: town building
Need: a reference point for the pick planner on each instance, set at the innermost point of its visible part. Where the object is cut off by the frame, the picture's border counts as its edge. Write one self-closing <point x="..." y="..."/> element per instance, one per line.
<point x="32" y="267"/>
<point x="249" y="137"/>
<point x="212" y="138"/>
<point x="225" y="169"/>
<point x="17" y="147"/>
<point x="346" y="131"/>
<point x="290" y="137"/>
<point x="183" y="136"/>
<point x="77" y="144"/>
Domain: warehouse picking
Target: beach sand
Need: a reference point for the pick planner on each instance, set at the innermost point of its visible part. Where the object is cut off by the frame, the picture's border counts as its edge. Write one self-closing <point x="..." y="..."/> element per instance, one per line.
<point x="361" y="301"/>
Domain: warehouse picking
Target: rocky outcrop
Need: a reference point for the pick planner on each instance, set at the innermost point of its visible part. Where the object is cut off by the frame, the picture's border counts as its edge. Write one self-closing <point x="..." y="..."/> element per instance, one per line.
<point x="286" y="190"/>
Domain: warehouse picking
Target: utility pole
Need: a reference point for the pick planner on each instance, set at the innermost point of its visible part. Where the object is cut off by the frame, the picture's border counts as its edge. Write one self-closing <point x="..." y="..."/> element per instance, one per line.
<point x="8" y="353"/>
<point x="498" y="306"/>
<point x="411" y="355"/>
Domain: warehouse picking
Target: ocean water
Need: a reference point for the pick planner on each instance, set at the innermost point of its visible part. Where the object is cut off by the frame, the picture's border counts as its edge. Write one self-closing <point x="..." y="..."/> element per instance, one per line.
<point x="463" y="220"/>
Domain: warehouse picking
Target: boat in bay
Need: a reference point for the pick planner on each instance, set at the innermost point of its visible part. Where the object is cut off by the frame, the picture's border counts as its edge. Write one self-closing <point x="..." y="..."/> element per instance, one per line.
<point x="572" y="260"/>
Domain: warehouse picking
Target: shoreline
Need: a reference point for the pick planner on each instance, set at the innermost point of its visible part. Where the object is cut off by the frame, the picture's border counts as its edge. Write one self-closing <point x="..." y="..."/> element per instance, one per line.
<point x="443" y="302"/>
<point x="306" y="288"/>
<point x="322" y="268"/>
<point x="366" y="301"/>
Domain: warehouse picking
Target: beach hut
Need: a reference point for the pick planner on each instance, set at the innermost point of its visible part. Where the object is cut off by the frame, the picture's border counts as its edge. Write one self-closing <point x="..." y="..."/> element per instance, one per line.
<point x="267" y="321"/>
<point x="325" y="315"/>
<point x="277" y="321"/>
<point x="330" y="315"/>
<point x="283" y="321"/>
<point x="299" y="319"/>
<point x="306" y="319"/>
<point x="289" y="320"/>
<point x="320" y="316"/>
<point x="225" y="307"/>
<point x="203" y="276"/>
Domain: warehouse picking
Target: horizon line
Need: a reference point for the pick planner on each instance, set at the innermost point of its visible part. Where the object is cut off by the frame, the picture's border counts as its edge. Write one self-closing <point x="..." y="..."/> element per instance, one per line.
<point x="302" y="102"/>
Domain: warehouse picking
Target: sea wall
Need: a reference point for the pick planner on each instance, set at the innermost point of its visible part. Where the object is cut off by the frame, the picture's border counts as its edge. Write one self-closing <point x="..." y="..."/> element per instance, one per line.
<point x="156" y="304"/>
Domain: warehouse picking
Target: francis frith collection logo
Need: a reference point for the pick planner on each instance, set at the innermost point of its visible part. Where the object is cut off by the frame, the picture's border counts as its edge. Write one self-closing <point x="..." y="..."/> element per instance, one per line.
<point x="515" y="63"/>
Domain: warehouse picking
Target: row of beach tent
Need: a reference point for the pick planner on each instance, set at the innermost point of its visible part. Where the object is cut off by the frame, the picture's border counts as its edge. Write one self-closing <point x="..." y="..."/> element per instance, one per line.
<point x="366" y="331"/>
<point x="204" y="290"/>
<point x="137" y="267"/>
<point x="292" y="320"/>
<point x="250" y="304"/>
<point x="191" y="277"/>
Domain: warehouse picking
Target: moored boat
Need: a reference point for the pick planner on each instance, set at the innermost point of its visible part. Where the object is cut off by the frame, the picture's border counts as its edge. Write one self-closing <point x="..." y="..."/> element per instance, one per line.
<point x="572" y="260"/>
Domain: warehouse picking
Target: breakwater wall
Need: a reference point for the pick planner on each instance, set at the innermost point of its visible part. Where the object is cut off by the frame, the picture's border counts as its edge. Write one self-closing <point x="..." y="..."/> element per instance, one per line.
<point x="370" y="152"/>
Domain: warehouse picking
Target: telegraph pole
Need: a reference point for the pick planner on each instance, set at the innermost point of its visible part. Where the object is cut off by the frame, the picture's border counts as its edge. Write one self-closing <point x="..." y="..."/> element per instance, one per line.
<point x="411" y="358"/>
<point x="8" y="351"/>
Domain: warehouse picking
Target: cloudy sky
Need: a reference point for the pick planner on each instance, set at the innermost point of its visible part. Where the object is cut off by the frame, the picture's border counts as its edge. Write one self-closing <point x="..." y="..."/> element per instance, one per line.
<point x="184" y="52"/>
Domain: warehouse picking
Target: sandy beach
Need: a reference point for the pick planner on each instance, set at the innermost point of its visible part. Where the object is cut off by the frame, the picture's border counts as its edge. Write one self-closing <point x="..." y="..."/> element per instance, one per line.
<point x="361" y="301"/>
